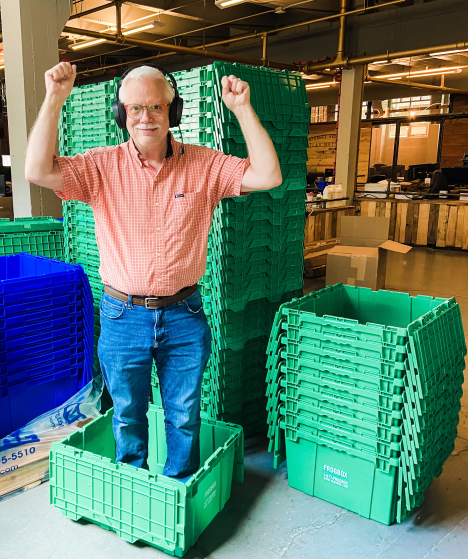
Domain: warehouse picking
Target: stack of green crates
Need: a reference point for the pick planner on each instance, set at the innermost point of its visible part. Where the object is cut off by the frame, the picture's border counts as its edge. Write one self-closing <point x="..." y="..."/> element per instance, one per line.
<point x="255" y="247"/>
<point x="41" y="236"/>
<point x="364" y="393"/>
<point x="81" y="248"/>
<point x="86" y="120"/>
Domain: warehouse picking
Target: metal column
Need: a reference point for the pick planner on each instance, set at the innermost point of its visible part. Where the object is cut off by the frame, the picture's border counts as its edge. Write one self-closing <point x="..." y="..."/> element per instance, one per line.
<point x="349" y="128"/>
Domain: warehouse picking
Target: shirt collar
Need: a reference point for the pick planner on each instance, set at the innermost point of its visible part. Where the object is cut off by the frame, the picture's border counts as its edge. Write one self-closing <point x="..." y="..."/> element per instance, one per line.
<point x="173" y="149"/>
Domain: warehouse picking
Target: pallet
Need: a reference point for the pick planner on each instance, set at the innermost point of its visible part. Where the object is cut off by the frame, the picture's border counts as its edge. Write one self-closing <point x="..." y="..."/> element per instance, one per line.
<point x="24" y="478"/>
<point x="315" y="272"/>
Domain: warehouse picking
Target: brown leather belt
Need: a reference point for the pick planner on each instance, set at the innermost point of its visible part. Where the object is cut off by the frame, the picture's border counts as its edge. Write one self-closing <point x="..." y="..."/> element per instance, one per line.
<point x="152" y="302"/>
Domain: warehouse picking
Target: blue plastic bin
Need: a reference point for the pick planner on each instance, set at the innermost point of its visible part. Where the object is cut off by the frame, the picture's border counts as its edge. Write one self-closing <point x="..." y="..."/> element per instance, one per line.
<point x="46" y="336"/>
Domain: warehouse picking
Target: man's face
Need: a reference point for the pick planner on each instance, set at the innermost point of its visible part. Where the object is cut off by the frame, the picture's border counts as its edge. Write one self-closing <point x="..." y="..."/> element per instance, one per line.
<point x="147" y="131"/>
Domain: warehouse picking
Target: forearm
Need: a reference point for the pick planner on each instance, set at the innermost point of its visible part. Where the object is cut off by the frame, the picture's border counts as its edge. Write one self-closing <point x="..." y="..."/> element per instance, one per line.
<point x="264" y="162"/>
<point x="40" y="166"/>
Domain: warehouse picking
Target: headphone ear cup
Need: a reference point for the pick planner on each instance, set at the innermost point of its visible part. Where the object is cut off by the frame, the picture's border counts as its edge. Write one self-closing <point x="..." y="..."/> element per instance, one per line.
<point x="173" y="115"/>
<point x="120" y="114"/>
<point x="175" y="111"/>
<point x="179" y="108"/>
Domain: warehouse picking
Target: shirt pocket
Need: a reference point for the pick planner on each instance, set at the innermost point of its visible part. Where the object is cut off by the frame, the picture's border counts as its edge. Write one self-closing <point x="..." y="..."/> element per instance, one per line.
<point x="187" y="212"/>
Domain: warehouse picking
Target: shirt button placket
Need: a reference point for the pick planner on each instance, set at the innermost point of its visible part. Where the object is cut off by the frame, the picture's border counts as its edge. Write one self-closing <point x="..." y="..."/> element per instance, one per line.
<point x="158" y="240"/>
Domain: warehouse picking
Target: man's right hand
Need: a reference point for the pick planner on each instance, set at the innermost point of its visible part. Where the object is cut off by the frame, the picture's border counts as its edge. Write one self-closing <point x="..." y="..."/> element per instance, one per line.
<point x="59" y="81"/>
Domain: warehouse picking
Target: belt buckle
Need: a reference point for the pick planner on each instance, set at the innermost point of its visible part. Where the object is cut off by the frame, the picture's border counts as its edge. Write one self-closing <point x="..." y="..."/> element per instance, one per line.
<point x="148" y="301"/>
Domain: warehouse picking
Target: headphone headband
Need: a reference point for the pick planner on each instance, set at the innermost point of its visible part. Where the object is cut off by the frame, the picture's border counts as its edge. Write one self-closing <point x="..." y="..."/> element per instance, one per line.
<point x="175" y="108"/>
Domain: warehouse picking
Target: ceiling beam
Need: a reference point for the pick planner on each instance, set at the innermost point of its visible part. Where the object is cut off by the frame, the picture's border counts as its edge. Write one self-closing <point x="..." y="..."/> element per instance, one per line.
<point x="407" y="83"/>
<point x="165" y="47"/>
<point x="387" y="57"/>
<point x="336" y="15"/>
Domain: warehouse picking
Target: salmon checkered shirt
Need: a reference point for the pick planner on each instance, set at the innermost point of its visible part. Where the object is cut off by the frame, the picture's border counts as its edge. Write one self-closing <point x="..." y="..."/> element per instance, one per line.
<point x="151" y="227"/>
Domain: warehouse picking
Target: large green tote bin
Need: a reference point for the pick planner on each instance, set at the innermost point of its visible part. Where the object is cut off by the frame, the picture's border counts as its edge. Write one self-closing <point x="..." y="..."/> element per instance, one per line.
<point x="137" y="504"/>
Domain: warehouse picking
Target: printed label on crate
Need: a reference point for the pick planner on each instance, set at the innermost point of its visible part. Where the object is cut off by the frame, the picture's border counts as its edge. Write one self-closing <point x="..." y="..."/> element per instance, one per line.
<point x="210" y="494"/>
<point x="336" y="476"/>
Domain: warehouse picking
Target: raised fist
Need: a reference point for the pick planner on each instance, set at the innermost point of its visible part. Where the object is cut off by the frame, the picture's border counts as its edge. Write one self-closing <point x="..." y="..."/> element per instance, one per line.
<point x="59" y="81"/>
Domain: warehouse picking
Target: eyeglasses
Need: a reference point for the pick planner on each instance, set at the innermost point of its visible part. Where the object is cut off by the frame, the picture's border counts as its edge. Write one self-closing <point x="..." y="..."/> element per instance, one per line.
<point x="136" y="111"/>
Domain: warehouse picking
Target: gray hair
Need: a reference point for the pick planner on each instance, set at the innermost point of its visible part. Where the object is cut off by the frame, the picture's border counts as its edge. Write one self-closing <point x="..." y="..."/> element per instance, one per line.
<point x="146" y="72"/>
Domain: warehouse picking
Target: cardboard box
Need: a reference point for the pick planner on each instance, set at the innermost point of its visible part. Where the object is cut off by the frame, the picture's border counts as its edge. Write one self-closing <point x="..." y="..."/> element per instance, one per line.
<point x="361" y="257"/>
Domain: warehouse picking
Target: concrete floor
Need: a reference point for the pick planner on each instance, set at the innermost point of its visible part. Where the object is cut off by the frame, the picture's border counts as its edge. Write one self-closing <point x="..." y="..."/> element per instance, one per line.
<point x="265" y="518"/>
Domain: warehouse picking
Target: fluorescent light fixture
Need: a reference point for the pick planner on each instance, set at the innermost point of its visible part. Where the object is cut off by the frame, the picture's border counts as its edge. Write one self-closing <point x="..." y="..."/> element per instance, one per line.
<point x="89" y="44"/>
<point x="153" y="25"/>
<point x="227" y="3"/>
<point x="421" y="73"/>
<point x="319" y="85"/>
<point x="448" y="52"/>
<point x="6" y="160"/>
<point x="144" y="28"/>
<point x="380" y="62"/>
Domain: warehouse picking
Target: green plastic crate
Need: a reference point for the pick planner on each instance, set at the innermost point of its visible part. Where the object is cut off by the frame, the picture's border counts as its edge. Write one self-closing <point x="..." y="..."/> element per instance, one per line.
<point x="150" y="508"/>
<point x="194" y="76"/>
<point x="102" y="116"/>
<point x="198" y="105"/>
<point x="88" y="106"/>
<point x="351" y="482"/>
<point x="279" y="95"/>
<point x="322" y="369"/>
<point x="49" y="244"/>
<point x="155" y="387"/>
<point x="82" y="252"/>
<point x="30" y="224"/>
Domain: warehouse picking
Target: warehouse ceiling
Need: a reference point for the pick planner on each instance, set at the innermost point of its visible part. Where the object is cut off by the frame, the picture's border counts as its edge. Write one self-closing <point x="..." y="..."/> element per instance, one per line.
<point x="194" y="23"/>
<point x="184" y="22"/>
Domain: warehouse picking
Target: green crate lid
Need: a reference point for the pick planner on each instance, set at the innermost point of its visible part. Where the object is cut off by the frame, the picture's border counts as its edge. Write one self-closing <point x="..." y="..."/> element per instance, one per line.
<point x="26" y="224"/>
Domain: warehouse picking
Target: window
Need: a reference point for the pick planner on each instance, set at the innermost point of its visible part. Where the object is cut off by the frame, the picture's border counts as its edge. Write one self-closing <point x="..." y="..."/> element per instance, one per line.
<point x="364" y="111"/>
<point x="414" y="130"/>
<point x="419" y="129"/>
<point x="326" y="113"/>
<point x="409" y="105"/>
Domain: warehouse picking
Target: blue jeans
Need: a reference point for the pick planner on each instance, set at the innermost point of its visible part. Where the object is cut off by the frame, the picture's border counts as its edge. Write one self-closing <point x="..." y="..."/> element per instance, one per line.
<point x="179" y="339"/>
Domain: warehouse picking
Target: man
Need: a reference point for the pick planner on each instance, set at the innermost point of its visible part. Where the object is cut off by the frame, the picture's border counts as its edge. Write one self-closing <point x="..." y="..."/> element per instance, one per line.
<point x="153" y="205"/>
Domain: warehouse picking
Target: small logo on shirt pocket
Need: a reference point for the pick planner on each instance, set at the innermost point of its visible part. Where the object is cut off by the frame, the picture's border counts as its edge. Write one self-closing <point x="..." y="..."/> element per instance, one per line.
<point x="179" y="195"/>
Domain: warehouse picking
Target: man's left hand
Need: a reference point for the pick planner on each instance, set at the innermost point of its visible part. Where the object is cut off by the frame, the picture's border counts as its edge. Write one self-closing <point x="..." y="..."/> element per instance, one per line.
<point x="236" y="93"/>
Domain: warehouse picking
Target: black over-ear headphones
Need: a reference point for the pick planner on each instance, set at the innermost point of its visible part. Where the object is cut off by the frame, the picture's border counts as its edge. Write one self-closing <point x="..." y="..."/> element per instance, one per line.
<point x="175" y="108"/>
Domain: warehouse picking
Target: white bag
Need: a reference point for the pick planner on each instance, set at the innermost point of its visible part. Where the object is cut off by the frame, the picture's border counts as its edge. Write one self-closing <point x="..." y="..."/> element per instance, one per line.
<point x="33" y="441"/>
